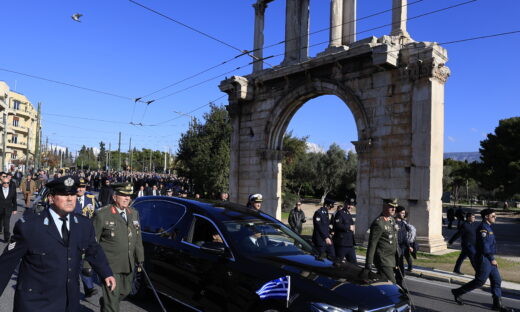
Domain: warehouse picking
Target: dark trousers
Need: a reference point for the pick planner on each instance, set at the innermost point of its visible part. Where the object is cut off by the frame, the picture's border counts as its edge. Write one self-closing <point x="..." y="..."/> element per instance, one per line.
<point x="465" y="253"/>
<point x="111" y="299"/>
<point x="88" y="281"/>
<point x="387" y="272"/>
<point x="450" y="221"/>
<point x="349" y="253"/>
<point x="327" y="249"/>
<point x="5" y="220"/>
<point x="485" y="270"/>
<point x="408" y="257"/>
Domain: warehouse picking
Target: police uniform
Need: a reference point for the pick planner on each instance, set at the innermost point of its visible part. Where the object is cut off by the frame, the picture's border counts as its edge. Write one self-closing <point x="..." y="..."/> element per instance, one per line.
<point x="321" y="231"/>
<point x="468" y="234"/>
<point x="486" y="250"/>
<point x="382" y="245"/>
<point x="121" y="241"/>
<point x="49" y="269"/>
<point x="344" y="236"/>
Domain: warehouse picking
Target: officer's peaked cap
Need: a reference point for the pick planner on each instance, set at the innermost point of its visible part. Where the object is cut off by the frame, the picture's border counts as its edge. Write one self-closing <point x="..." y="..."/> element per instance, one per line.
<point x="257" y="198"/>
<point x="486" y="212"/>
<point x="392" y="202"/>
<point x="124" y="189"/>
<point x="65" y="185"/>
<point x="350" y="201"/>
<point x="82" y="182"/>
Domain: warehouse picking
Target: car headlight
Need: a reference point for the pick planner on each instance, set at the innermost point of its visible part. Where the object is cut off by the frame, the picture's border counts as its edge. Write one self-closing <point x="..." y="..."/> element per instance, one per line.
<point x="323" y="307"/>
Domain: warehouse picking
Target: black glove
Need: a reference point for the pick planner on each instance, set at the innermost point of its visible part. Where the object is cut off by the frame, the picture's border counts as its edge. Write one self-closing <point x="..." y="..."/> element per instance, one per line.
<point x="86" y="272"/>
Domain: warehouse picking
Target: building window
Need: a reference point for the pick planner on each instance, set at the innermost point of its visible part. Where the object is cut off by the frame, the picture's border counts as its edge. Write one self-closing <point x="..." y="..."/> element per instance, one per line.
<point x="16" y="104"/>
<point x="15" y="139"/>
<point x="15" y="121"/>
<point x="14" y="155"/>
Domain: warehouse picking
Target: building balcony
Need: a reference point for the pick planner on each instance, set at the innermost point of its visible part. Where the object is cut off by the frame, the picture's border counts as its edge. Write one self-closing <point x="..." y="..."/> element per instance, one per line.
<point x="21" y="145"/>
<point x="20" y="129"/>
<point x="21" y="112"/>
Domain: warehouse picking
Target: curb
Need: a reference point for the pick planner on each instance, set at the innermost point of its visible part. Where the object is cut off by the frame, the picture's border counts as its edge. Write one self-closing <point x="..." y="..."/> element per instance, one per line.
<point x="440" y="277"/>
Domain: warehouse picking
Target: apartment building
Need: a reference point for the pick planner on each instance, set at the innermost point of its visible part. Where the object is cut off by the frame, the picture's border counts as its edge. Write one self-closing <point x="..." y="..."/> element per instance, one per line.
<point x="21" y="127"/>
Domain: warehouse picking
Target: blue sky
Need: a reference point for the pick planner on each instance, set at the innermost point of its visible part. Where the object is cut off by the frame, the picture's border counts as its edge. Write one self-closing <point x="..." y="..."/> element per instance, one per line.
<point x="121" y="48"/>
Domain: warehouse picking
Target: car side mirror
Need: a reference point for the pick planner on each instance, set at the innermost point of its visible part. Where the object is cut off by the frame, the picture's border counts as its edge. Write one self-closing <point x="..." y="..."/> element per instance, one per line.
<point x="215" y="248"/>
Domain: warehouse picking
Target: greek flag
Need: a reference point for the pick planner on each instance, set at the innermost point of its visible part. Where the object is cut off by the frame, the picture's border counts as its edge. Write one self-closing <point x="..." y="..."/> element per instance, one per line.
<point x="278" y="288"/>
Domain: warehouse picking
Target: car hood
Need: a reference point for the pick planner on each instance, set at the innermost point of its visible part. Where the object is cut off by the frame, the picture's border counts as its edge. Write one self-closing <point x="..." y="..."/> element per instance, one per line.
<point x="319" y="280"/>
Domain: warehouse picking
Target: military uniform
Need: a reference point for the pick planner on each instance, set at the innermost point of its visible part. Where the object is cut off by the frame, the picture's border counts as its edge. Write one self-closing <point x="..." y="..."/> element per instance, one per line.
<point x="321" y="231"/>
<point x="382" y="246"/>
<point x="49" y="269"/>
<point x="121" y="241"/>
<point x="344" y="236"/>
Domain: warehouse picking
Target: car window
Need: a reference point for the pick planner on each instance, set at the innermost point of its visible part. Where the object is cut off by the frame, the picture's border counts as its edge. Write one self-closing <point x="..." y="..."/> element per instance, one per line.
<point x="158" y="216"/>
<point x="269" y="238"/>
<point x="202" y="232"/>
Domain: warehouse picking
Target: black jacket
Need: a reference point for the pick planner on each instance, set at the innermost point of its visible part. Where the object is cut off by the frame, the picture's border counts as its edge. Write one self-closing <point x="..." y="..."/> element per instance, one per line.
<point x="468" y="234"/>
<point x="296" y="219"/>
<point x="8" y="204"/>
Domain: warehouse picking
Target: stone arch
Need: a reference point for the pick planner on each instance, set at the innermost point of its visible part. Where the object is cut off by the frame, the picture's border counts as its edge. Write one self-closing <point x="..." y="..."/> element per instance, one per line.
<point x="287" y="106"/>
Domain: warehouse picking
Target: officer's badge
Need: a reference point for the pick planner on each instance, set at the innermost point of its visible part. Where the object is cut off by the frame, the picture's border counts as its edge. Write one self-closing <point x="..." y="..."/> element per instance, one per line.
<point x="11" y="246"/>
<point x="136" y="224"/>
<point x="396" y="227"/>
<point x="112" y="234"/>
<point x="69" y="182"/>
<point x="46" y="221"/>
<point x="484" y="234"/>
<point x="318" y="219"/>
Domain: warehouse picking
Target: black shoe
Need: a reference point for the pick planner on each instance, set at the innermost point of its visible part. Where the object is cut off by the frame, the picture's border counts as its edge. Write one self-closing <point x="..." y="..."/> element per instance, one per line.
<point x="409" y="269"/>
<point x="457" y="298"/>
<point x="458" y="272"/>
<point x="90" y="292"/>
<point x="497" y="304"/>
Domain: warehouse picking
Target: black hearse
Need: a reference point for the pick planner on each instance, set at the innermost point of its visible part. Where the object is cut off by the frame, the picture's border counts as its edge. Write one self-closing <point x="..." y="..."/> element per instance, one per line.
<point x="226" y="257"/>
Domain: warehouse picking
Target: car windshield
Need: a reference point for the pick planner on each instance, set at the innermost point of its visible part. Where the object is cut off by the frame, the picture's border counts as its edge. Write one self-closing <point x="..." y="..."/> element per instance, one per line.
<point x="260" y="237"/>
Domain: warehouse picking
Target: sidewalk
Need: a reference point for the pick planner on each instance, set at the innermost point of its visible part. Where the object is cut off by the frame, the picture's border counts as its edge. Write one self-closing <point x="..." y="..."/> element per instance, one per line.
<point x="452" y="278"/>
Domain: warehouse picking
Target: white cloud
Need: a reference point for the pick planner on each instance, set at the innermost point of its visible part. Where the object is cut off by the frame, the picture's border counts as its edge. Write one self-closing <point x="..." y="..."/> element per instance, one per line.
<point x="314" y="148"/>
<point x="474" y="130"/>
<point x="451" y="139"/>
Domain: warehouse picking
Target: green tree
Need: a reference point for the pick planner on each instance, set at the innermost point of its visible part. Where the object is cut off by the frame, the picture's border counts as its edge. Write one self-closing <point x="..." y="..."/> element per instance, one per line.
<point x="500" y="154"/>
<point x="330" y="169"/>
<point x="102" y="156"/>
<point x="203" y="154"/>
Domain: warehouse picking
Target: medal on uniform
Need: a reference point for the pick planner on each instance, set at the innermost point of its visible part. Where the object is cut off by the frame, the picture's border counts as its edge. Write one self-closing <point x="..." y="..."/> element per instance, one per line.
<point x="112" y="234"/>
<point x="318" y="219"/>
<point x="136" y="224"/>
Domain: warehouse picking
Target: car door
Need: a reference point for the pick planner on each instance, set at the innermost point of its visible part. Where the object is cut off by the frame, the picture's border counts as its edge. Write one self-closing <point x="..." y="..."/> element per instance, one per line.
<point x="206" y="262"/>
<point x="160" y="223"/>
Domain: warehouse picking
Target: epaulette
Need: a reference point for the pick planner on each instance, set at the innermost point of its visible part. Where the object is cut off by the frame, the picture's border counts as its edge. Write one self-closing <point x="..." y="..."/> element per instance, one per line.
<point x="91" y="195"/>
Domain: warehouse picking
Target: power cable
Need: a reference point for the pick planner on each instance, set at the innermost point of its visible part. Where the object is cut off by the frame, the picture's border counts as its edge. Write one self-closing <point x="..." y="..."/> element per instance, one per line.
<point x="192" y="111"/>
<point x="196" y="30"/>
<point x="66" y="84"/>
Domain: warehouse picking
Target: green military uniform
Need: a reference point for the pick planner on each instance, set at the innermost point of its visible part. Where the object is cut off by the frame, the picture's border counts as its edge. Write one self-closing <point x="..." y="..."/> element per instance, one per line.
<point x="121" y="241"/>
<point x="382" y="246"/>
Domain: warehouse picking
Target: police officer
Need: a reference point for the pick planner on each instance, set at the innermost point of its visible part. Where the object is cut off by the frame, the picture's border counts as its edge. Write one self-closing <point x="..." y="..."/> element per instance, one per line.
<point x="85" y="205"/>
<point x="321" y="237"/>
<point x="468" y="234"/>
<point x="382" y="242"/>
<point x="255" y="202"/>
<point x="50" y="246"/>
<point x="487" y="266"/>
<point x="118" y="231"/>
<point x="344" y="234"/>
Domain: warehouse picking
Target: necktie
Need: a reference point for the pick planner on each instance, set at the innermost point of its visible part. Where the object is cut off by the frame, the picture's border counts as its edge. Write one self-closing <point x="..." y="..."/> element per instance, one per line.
<point x="64" y="231"/>
<point x="81" y="201"/>
<point x="123" y="215"/>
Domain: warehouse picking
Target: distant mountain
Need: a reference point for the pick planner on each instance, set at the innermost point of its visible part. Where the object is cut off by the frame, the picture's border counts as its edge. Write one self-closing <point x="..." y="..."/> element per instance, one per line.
<point x="468" y="156"/>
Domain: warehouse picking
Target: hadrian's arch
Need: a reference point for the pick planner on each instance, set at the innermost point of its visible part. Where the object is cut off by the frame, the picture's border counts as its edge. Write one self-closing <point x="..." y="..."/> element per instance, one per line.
<point x="394" y="88"/>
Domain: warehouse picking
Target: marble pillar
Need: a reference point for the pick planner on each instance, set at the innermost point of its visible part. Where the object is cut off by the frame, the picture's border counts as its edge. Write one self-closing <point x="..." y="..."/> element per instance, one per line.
<point x="349" y="22"/>
<point x="336" y="21"/>
<point x="399" y="18"/>
<point x="258" y="46"/>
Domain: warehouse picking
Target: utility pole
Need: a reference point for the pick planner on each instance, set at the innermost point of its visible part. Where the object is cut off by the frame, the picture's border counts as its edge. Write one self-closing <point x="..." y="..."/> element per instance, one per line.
<point x="108" y="159"/>
<point x="119" y="152"/>
<point x="130" y="155"/>
<point x="4" y="138"/>
<point x="38" y="142"/>
<point x="150" y="160"/>
<point x="28" y="151"/>
<point x="164" y="169"/>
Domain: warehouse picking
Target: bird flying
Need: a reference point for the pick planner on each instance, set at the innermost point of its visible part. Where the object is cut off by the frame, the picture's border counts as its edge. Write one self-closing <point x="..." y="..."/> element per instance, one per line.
<point x="76" y="17"/>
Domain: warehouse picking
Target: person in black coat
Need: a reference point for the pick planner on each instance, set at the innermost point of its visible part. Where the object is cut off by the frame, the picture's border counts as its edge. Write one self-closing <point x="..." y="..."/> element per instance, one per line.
<point x="459" y="214"/>
<point x="343" y="237"/>
<point x="450" y="215"/>
<point x="7" y="204"/>
<point x="105" y="194"/>
<point x="321" y="237"/>
<point x="468" y="234"/>
<point x="402" y="242"/>
<point x="50" y="246"/>
<point x="297" y="218"/>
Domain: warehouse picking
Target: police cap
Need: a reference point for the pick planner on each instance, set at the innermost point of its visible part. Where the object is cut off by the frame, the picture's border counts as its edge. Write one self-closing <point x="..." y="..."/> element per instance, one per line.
<point x="392" y="202"/>
<point x="329" y="202"/>
<point x="122" y="189"/>
<point x="350" y="202"/>
<point x="256" y="198"/>
<point x="65" y="185"/>
<point x="82" y="182"/>
<point x="485" y="212"/>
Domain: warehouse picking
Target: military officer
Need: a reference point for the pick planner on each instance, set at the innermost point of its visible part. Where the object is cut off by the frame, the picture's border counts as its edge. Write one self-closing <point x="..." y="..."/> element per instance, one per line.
<point x="382" y="242"/>
<point x="255" y="202"/>
<point x="487" y="266"/>
<point x="321" y="236"/>
<point x="118" y="231"/>
<point x="50" y="246"/>
<point x="85" y="205"/>
<point x="344" y="234"/>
